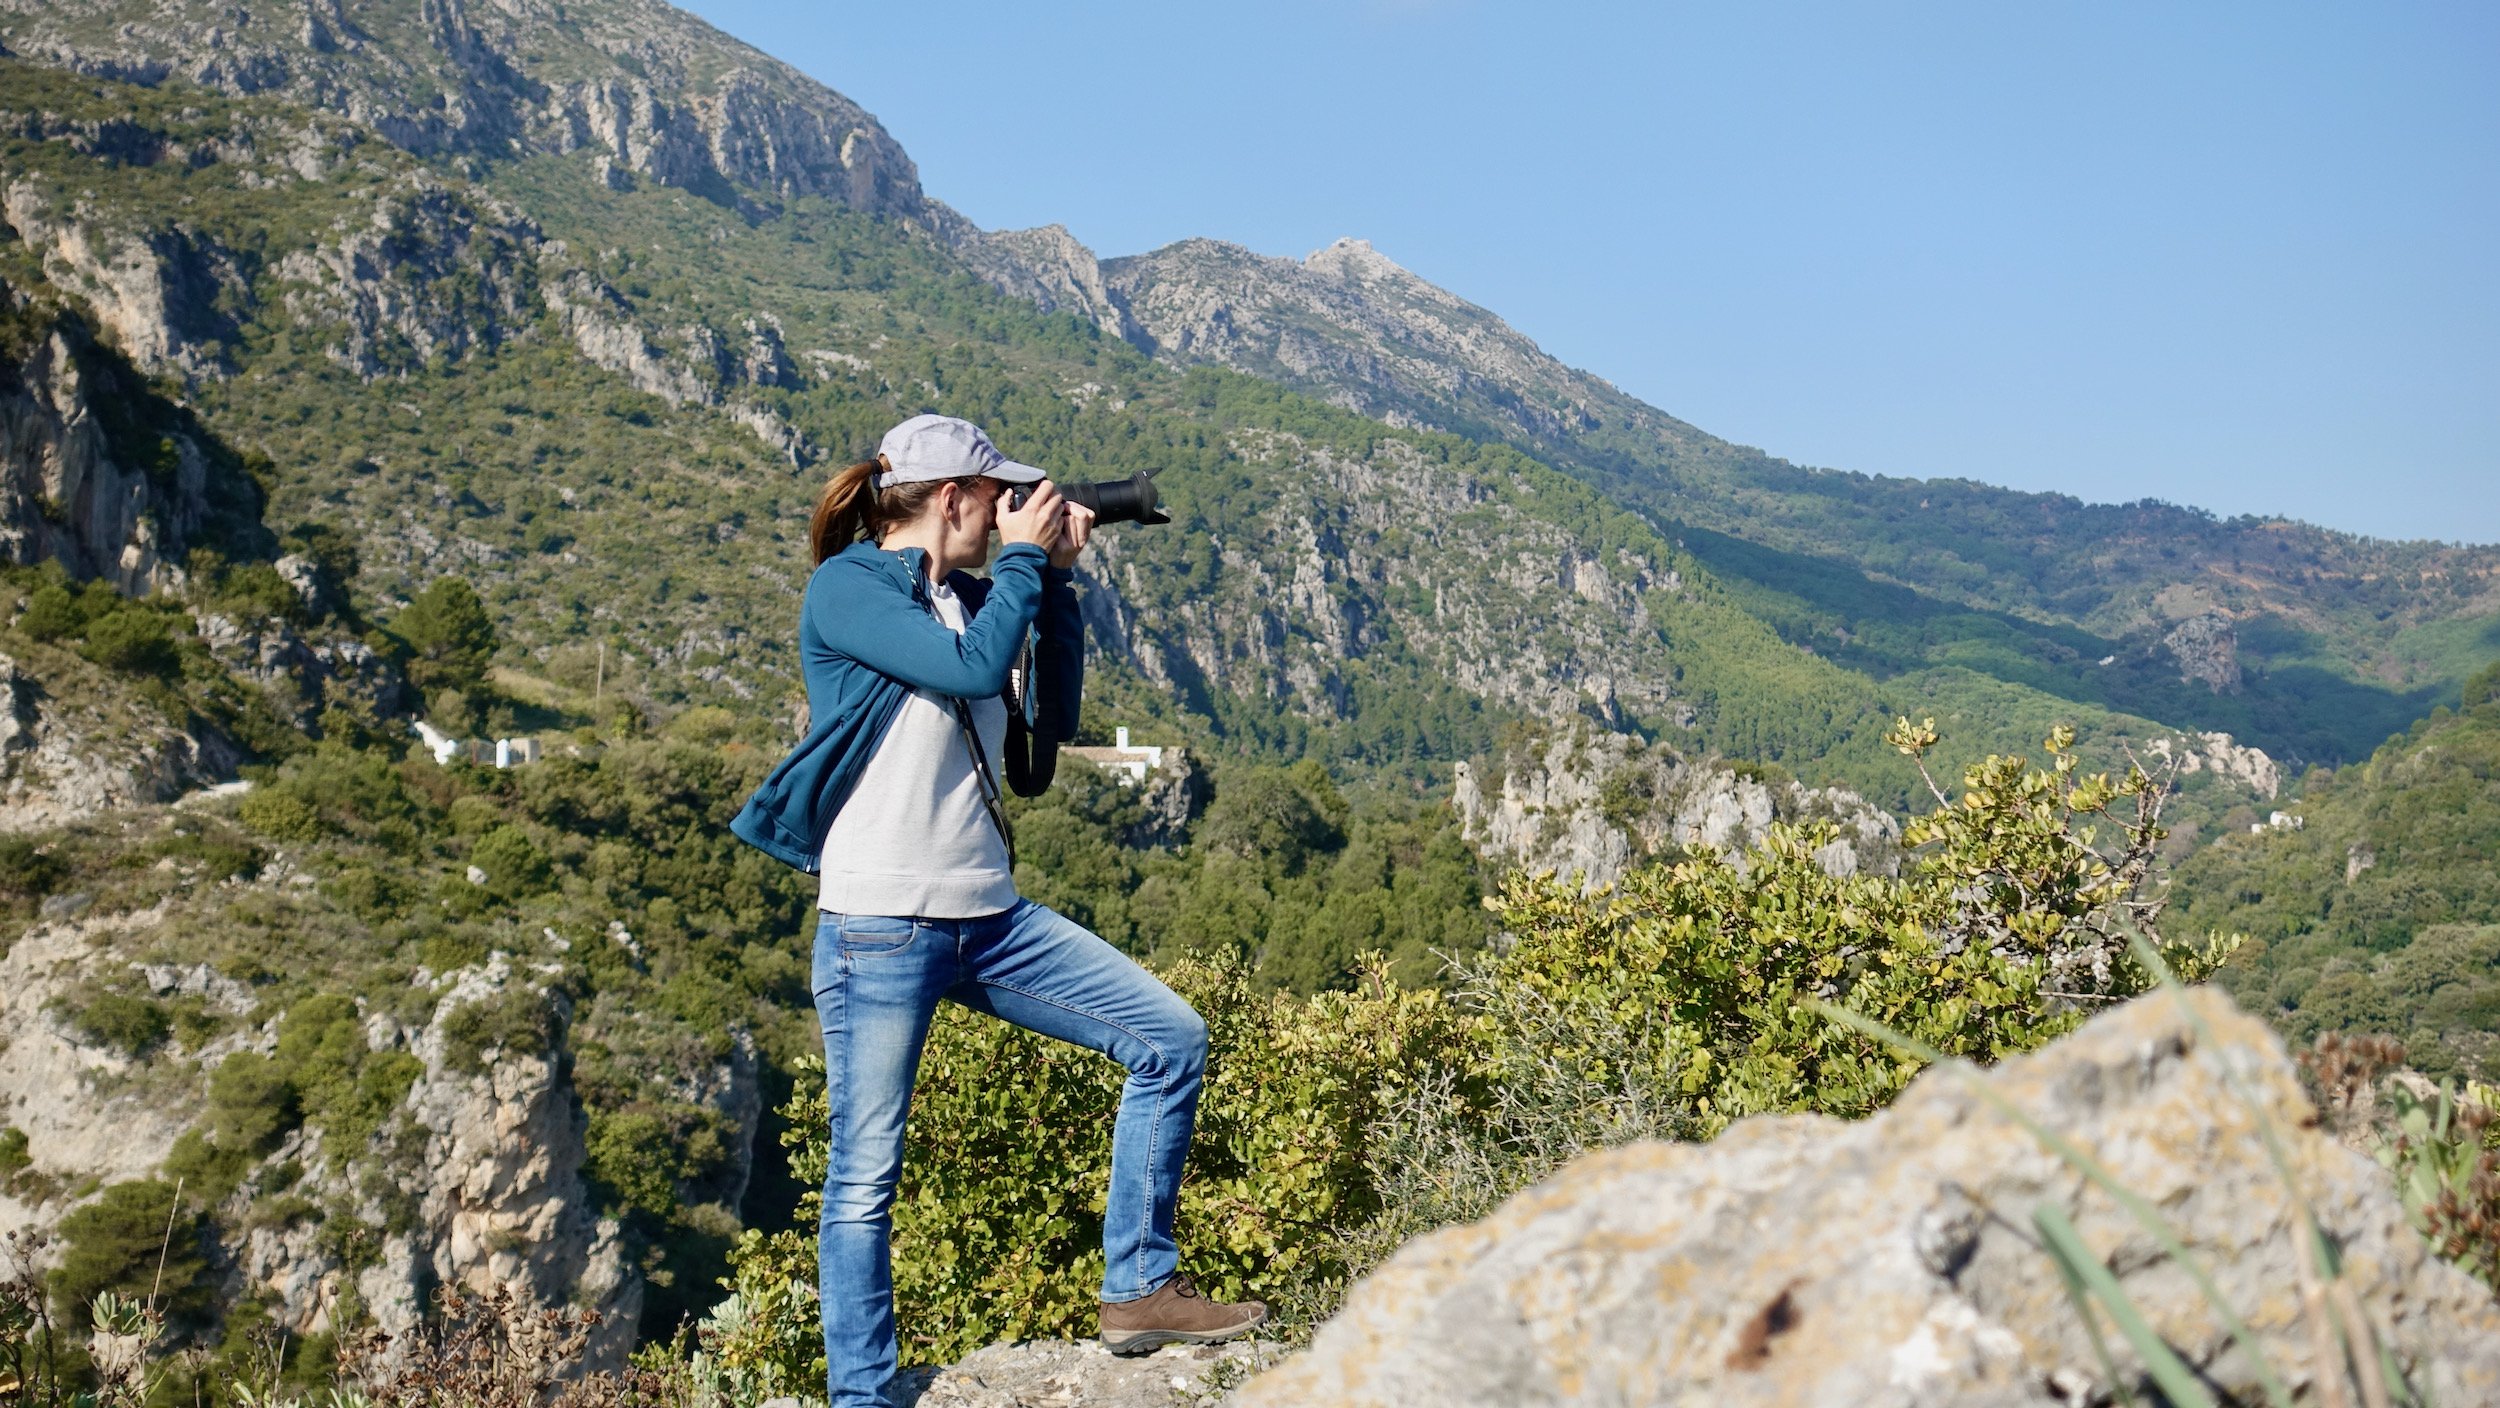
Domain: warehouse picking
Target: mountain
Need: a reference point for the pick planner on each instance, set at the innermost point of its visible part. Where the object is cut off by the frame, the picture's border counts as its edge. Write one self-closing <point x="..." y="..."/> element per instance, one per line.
<point x="2371" y="903"/>
<point x="2312" y="643"/>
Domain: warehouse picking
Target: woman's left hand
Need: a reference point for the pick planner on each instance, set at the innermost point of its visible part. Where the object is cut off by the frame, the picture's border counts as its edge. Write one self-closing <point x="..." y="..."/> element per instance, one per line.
<point x="1074" y="532"/>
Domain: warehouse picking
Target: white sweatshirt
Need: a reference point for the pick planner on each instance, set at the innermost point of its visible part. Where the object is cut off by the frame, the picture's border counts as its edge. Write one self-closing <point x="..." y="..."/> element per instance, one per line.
<point x="913" y="838"/>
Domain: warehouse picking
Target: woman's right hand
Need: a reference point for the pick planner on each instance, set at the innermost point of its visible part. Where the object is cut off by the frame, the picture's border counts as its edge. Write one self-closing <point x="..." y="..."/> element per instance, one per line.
<point x="1039" y="522"/>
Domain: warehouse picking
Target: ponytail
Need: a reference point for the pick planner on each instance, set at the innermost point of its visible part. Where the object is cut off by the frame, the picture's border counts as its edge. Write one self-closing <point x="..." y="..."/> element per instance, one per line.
<point x="842" y="510"/>
<point x="850" y="509"/>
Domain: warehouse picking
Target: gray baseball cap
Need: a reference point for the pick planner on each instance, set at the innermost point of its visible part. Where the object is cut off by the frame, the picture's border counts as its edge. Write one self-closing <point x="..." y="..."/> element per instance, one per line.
<point x="941" y="447"/>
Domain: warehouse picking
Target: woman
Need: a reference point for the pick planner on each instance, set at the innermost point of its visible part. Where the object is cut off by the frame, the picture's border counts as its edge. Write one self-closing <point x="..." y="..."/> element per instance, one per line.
<point x="893" y="801"/>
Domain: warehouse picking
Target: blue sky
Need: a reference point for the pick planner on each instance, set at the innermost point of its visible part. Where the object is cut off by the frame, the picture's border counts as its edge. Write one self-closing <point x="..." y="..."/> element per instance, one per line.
<point x="2237" y="255"/>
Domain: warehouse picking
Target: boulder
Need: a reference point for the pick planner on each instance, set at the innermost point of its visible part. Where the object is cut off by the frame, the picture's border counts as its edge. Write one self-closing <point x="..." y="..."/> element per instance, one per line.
<point x="1800" y="1260"/>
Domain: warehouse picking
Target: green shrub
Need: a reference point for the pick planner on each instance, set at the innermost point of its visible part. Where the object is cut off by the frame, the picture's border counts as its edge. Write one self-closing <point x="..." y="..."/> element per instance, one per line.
<point x="2482" y="688"/>
<point x="648" y="1157"/>
<point x="279" y="814"/>
<point x="341" y="1084"/>
<point x="133" y="639"/>
<point x="52" y="613"/>
<point x="513" y="863"/>
<point x="518" y="1020"/>
<point x="449" y="637"/>
<point x="28" y="871"/>
<point x="136" y="1240"/>
<point x="131" y="1025"/>
<point x="474" y="815"/>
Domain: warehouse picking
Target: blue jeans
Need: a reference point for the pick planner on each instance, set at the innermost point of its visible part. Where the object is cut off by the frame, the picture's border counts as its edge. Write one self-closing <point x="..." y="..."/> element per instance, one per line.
<point x="878" y="980"/>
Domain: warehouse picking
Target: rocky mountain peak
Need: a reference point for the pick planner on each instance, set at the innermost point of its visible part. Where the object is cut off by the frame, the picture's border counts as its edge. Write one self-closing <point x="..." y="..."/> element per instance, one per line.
<point x="1357" y="260"/>
<point x="648" y="91"/>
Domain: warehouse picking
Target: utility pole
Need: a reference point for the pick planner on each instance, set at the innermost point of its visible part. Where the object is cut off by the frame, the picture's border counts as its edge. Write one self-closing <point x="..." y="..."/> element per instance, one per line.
<point x="599" y="684"/>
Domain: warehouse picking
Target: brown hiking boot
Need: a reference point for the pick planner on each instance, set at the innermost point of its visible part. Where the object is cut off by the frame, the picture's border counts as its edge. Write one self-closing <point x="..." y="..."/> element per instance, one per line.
<point x="1175" y="1314"/>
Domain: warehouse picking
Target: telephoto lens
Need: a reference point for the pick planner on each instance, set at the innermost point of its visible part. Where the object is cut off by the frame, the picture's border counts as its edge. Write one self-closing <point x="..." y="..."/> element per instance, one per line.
<point x="1130" y="500"/>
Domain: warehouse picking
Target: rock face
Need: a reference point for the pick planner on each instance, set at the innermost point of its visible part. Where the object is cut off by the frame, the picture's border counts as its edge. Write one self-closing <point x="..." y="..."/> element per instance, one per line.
<point x="2220" y="755"/>
<point x="1347" y="555"/>
<point x="67" y="493"/>
<point x="647" y="90"/>
<point x="72" y="746"/>
<point x="158" y="292"/>
<point x="1585" y="801"/>
<point x="1796" y="1260"/>
<point x="502" y="1201"/>
<point x="81" y="1118"/>
<point x="2207" y="650"/>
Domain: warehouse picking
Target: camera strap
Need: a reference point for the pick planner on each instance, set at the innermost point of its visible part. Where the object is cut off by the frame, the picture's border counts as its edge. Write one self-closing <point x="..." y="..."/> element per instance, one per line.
<point x="990" y="798"/>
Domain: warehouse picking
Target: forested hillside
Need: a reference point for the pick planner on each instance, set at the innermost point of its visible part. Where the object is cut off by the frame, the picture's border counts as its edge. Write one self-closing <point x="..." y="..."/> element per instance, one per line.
<point x="2380" y="910"/>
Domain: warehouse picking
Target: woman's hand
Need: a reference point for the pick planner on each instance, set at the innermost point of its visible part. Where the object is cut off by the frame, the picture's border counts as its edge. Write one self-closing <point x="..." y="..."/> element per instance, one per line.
<point x="1079" y="530"/>
<point x="1040" y="522"/>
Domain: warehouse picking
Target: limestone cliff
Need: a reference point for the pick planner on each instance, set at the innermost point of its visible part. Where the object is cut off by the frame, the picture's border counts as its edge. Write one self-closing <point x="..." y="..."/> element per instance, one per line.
<point x="647" y="90"/>
<point x="1579" y="800"/>
<point x="71" y="490"/>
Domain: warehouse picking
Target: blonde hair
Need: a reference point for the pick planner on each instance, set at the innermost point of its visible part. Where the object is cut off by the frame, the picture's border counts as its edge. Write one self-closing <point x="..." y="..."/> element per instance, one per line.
<point x="849" y="510"/>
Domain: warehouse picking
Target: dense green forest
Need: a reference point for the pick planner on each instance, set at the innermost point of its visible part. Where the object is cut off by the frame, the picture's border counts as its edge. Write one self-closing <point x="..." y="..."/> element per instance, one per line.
<point x="2380" y="911"/>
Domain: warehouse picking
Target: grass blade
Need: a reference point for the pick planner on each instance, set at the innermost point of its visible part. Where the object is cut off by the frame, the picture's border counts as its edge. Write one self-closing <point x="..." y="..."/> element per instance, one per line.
<point x="2076" y="1261"/>
<point x="2092" y="1327"/>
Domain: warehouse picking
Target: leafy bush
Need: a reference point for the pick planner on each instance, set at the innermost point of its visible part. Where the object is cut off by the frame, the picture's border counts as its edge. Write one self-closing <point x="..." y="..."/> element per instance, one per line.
<point x="27" y="870"/>
<point x="280" y="814"/>
<point x="2482" y="688"/>
<point x="449" y="636"/>
<point x="52" y="613"/>
<point x="1336" y="1125"/>
<point x="133" y="639"/>
<point x="129" y="1024"/>
<point x="137" y="1240"/>
<point x="518" y="1020"/>
<point x="513" y="863"/>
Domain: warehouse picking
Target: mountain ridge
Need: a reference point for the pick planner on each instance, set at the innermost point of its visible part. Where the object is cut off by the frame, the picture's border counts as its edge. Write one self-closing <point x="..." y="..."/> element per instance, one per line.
<point x="2239" y="625"/>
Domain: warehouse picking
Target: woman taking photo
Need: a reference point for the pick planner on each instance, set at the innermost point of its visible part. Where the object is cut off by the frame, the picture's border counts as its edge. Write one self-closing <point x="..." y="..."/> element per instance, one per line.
<point x="893" y="801"/>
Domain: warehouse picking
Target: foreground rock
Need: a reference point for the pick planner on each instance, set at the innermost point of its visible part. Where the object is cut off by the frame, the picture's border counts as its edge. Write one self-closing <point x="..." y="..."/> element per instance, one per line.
<point x="1798" y="1260"/>
<point x="1051" y="1373"/>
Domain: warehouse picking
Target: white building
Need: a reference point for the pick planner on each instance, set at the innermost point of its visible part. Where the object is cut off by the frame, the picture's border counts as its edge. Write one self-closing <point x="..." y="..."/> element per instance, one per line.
<point x="1127" y="765"/>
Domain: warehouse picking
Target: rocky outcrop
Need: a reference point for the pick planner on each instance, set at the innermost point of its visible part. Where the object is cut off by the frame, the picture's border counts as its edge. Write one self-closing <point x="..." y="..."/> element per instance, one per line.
<point x="67" y="493"/>
<point x="500" y="1200"/>
<point x="2207" y="651"/>
<point x="431" y="272"/>
<point x="82" y="1119"/>
<point x="649" y="91"/>
<point x="301" y="675"/>
<point x="161" y="292"/>
<point x="475" y="1179"/>
<point x="1580" y="800"/>
<point x="77" y="745"/>
<point x="607" y="331"/>
<point x="1340" y="553"/>
<point x="1060" y="1374"/>
<point x="2223" y="758"/>
<point x="1798" y="1260"/>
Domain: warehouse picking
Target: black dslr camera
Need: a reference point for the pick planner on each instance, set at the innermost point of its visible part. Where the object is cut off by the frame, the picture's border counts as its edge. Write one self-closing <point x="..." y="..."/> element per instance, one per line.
<point x="1130" y="500"/>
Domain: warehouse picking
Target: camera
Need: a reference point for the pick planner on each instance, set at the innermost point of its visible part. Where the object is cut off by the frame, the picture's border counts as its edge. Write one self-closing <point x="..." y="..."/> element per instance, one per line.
<point x="1130" y="500"/>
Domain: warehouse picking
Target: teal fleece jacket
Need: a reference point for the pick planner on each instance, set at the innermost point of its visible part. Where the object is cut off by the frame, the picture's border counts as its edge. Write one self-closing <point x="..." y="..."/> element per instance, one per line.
<point x="868" y="636"/>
